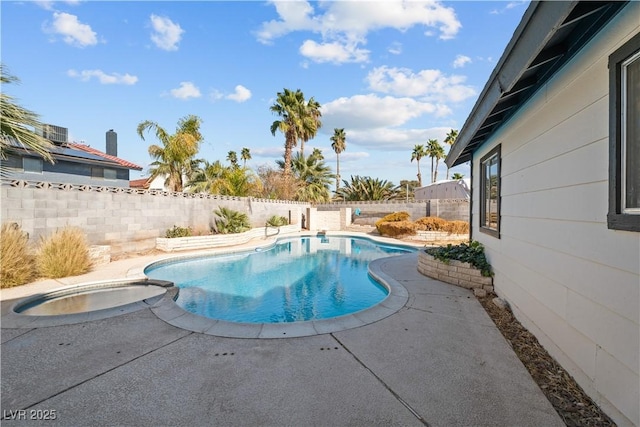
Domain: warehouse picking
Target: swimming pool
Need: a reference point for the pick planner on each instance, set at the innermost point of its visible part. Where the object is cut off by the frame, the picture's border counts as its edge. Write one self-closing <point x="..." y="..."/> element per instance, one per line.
<point x="298" y="279"/>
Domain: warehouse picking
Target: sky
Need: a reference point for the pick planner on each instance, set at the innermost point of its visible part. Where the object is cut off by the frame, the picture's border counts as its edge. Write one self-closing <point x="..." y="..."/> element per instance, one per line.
<point x="392" y="74"/>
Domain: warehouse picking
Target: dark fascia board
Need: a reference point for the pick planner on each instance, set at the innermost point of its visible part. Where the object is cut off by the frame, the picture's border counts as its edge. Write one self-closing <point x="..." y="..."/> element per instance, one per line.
<point x="537" y="26"/>
<point x="104" y="163"/>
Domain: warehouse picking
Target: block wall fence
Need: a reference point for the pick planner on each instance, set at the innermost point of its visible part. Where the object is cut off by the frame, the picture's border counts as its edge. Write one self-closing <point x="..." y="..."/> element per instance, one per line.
<point x="130" y="219"/>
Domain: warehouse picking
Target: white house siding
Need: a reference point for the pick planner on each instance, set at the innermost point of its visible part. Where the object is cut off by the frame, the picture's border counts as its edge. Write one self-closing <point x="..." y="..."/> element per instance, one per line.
<point x="569" y="279"/>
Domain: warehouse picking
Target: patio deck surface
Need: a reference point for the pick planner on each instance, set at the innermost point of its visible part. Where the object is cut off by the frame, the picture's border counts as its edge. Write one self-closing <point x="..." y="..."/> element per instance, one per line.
<point x="437" y="360"/>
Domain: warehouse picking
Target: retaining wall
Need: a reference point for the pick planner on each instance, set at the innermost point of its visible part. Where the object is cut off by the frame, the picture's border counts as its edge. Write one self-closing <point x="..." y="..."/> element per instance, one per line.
<point x="449" y="209"/>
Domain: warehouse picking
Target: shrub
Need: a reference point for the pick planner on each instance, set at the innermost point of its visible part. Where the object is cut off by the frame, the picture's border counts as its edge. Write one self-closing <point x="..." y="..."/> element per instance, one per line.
<point x="230" y="221"/>
<point x="396" y="228"/>
<point x="431" y="223"/>
<point x="473" y="253"/>
<point x="277" y="221"/>
<point x="178" y="232"/>
<point x="64" y="253"/>
<point x="16" y="261"/>
<point x="393" y="217"/>
<point x="457" y="227"/>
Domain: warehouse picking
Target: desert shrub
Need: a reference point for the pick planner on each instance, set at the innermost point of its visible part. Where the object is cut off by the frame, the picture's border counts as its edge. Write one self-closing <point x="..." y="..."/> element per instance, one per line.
<point x="230" y="221"/>
<point x="457" y="227"/>
<point x="16" y="261"/>
<point x="431" y="223"/>
<point x="64" y="253"/>
<point x="393" y="217"/>
<point x="178" y="232"/>
<point x="473" y="253"/>
<point x="277" y="221"/>
<point x="396" y="228"/>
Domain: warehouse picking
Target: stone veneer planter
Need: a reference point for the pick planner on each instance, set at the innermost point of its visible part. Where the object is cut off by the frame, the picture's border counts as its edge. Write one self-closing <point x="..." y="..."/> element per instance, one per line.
<point x="219" y="240"/>
<point x="455" y="272"/>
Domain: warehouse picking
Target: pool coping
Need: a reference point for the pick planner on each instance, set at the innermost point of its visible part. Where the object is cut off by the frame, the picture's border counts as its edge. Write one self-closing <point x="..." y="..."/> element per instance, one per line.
<point x="165" y="308"/>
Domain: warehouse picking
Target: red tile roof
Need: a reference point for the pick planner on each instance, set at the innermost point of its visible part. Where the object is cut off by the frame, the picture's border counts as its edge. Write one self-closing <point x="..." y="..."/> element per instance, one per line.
<point x="140" y="183"/>
<point x="91" y="150"/>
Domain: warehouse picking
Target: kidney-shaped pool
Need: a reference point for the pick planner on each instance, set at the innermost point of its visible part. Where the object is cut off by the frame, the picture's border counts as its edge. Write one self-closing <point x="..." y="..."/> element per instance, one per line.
<point x="298" y="279"/>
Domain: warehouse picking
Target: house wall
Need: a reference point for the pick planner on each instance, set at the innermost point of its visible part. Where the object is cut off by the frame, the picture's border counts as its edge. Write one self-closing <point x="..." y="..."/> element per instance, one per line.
<point x="568" y="278"/>
<point x="126" y="219"/>
<point x="65" y="172"/>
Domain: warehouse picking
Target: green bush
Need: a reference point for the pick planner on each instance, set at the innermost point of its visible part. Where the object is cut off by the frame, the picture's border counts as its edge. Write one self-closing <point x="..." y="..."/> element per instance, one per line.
<point x="64" y="253"/>
<point x="178" y="232"/>
<point x="230" y="221"/>
<point x="16" y="261"/>
<point x="473" y="253"/>
<point x="277" y="221"/>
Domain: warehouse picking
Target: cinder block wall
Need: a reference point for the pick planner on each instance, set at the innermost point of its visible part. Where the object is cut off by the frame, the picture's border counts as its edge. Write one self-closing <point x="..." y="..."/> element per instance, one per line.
<point x="126" y="219"/>
<point x="449" y="209"/>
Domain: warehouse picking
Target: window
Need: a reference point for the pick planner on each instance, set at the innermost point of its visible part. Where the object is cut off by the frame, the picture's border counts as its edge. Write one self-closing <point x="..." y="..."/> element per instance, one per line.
<point x="490" y="193"/>
<point x="97" y="172"/>
<point x="624" y="137"/>
<point x="110" y="174"/>
<point x="31" y="164"/>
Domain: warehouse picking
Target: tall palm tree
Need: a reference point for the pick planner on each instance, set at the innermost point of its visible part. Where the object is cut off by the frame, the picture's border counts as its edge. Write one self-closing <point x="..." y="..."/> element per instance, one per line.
<point x="175" y="157"/>
<point x="232" y="157"/>
<point x="417" y="154"/>
<point x="450" y="139"/>
<point x="245" y="155"/>
<point x="298" y="121"/>
<point x="16" y="124"/>
<point x="339" y="144"/>
<point x="433" y="147"/>
<point x="438" y="154"/>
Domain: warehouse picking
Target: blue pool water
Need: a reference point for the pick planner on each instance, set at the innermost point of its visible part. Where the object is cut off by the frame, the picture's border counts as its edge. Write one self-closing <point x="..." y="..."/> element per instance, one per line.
<point x="298" y="279"/>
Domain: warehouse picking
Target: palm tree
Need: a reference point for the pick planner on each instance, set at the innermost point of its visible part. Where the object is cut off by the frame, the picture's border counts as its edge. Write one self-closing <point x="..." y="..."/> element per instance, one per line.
<point x="367" y="188"/>
<point x="417" y="154"/>
<point x="215" y="178"/>
<point x="175" y="157"/>
<point x="457" y="176"/>
<point x="450" y="139"/>
<point x="245" y="155"/>
<point x="208" y="179"/>
<point x="16" y="123"/>
<point x="438" y="154"/>
<point x="339" y="144"/>
<point x="298" y="121"/>
<point x="432" y="149"/>
<point x="313" y="177"/>
<point x="232" y="157"/>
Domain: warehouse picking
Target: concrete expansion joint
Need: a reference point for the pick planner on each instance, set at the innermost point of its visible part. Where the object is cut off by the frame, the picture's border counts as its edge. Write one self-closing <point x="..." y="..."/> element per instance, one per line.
<point x="381" y="381"/>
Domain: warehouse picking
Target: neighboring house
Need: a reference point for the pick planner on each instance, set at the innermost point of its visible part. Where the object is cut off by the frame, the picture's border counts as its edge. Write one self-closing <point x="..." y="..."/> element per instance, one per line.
<point x="451" y="189"/>
<point x="74" y="163"/>
<point x="148" y="183"/>
<point x="554" y="146"/>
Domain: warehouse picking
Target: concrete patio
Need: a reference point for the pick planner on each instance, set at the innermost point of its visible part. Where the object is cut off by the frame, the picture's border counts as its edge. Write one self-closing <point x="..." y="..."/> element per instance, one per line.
<point x="438" y="360"/>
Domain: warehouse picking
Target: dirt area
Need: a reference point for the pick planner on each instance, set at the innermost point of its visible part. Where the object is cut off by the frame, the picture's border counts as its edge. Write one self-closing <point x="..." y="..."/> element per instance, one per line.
<point x="566" y="396"/>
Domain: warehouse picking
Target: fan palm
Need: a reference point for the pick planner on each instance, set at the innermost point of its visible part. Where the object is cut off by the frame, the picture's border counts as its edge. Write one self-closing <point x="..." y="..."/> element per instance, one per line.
<point x="245" y="155"/>
<point x="438" y="154"/>
<point x="417" y="154"/>
<point x="450" y="139"/>
<point x="16" y="123"/>
<point x="232" y="157"/>
<point x="215" y="178"/>
<point x="298" y="121"/>
<point x="339" y="144"/>
<point x="367" y="188"/>
<point x="313" y="177"/>
<point x="432" y="150"/>
<point x="174" y="158"/>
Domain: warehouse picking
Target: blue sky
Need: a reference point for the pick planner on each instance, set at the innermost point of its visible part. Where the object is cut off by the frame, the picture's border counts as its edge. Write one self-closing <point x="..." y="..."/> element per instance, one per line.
<point x="392" y="74"/>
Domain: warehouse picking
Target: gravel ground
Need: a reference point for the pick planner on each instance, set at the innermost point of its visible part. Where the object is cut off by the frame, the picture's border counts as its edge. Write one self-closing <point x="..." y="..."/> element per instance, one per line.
<point x="566" y="396"/>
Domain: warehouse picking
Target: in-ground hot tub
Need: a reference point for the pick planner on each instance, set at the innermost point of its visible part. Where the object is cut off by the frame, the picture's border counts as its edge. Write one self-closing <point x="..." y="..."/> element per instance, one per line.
<point x="89" y="301"/>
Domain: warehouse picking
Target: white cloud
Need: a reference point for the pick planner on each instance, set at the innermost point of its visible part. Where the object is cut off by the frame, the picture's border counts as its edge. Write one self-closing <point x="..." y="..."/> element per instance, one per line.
<point x="166" y="34"/>
<point x="371" y="111"/>
<point x="344" y="25"/>
<point x="103" y="78"/>
<point x="185" y="91"/>
<point x="73" y="32"/>
<point x="268" y="152"/>
<point x="347" y="157"/>
<point x="48" y="4"/>
<point x="461" y="61"/>
<point x="240" y="95"/>
<point x="395" y="48"/>
<point x="333" y="52"/>
<point x="392" y="139"/>
<point x="433" y="85"/>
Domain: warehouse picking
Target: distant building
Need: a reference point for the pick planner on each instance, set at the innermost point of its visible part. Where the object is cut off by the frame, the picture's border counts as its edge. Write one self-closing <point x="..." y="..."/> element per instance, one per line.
<point x="452" y="189"/>
<point x="75" y="163"/>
